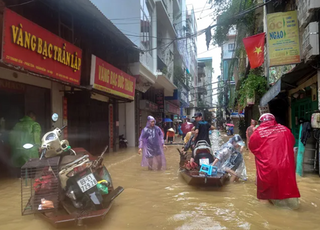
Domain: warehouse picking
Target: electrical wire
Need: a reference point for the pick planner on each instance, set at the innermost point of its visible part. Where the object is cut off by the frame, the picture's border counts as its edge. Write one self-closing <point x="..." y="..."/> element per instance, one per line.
<point x="21" y="4"/>
<point x="196" y="10"/>
<point x="198" y="33"/>
<point x="203" y="8"/>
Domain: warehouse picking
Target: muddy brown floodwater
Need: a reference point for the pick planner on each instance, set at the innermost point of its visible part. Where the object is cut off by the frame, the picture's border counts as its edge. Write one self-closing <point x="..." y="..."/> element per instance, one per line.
<point x="162" y="200"/>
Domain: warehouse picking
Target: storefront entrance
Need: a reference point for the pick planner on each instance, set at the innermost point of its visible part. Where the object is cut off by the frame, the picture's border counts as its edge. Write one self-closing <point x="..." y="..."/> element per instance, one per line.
<point x="88" y="122"/>
<point x="16" y="99"/>
<point x="301" y="109"/>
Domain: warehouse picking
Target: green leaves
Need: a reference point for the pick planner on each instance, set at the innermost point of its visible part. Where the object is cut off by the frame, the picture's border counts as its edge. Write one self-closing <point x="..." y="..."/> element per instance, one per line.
<point x="254" y="85"/>
<point x="226" y="10"/>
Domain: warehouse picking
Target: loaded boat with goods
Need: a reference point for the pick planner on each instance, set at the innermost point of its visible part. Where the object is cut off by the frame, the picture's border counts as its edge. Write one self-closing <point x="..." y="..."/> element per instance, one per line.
<point x="66" y="186"/>
<point x="200" y="172"/>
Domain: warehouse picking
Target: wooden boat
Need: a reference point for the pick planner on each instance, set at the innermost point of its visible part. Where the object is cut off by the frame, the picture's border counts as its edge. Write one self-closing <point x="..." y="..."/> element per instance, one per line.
<point x="67" y="216"/>
<point x="193" y="178"/>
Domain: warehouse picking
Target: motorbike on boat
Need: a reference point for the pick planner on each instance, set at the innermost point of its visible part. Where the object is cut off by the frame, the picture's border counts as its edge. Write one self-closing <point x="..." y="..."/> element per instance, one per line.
<point x="66" y="186"/>
<point x="205" y="175"/>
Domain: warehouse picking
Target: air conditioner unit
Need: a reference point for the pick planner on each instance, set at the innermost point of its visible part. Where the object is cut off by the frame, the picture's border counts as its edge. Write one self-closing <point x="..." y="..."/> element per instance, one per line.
<point x="310" y="41"/>
<point x="306" y="9"/>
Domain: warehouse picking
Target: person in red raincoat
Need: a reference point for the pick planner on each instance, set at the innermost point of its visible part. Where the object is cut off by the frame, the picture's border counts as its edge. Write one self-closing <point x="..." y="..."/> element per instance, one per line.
<point x="272" y="144"/>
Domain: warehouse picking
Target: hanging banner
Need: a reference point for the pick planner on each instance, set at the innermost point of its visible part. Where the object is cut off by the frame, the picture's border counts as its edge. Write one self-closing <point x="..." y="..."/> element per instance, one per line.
<point x="30" y="46"/>
<point x="283" y="38"/>
<point x="111" y="127"/>
<point x="159" y="94"/>
<point x="107" y="78"/>
<point x="65" y="117"/>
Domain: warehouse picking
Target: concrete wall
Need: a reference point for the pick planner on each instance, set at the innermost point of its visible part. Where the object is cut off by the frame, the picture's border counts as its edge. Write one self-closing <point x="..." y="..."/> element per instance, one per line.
<point x="124" y="14"/>
<point x="226" y="53"/>
<point x="208" y="80"/>
<point x="122" y="119"/>
<point x="130" y="124"/>
<point x="57" y="102"/>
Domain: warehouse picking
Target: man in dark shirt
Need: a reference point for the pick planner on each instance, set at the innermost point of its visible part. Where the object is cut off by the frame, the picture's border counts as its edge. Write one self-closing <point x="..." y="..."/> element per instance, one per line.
<point x="202" y="129"/>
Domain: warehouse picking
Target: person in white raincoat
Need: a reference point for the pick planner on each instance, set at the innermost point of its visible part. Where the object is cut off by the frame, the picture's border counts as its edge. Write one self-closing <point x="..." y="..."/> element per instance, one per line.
<point x="229" y="159"/>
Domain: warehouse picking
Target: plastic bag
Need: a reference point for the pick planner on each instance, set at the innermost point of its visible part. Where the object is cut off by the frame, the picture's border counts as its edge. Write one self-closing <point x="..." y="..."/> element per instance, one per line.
<point x="45" y="204"/>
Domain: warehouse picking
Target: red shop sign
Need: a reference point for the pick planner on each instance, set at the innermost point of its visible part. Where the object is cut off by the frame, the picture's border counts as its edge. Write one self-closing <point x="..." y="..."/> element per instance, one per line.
<point x="108" y="78"/>
<point x="173" y="109"/>
<point x="32" y="47"/>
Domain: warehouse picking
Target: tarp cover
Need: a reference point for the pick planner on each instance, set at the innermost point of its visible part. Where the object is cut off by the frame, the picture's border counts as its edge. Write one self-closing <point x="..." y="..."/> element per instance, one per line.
<point x="272" y="144"/>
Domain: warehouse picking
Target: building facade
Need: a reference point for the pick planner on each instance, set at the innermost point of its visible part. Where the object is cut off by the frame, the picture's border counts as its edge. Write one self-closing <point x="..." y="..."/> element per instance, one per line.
<point x="157" y="28"/>
<point x="295" y="95"/>
<point x="69" y="59"/>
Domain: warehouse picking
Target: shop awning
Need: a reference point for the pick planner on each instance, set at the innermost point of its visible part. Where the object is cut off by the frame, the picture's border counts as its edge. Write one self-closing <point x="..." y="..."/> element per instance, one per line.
<point x="288" y="81"/>
<point x="272" y="93"/>
<point x="302" y="70"/>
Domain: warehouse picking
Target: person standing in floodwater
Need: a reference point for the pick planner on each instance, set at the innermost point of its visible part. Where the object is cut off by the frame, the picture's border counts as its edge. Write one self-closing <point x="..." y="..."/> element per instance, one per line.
<point x="250" y="130"/>
<point x="272" y="144"/>
<point x="151" y="146"/>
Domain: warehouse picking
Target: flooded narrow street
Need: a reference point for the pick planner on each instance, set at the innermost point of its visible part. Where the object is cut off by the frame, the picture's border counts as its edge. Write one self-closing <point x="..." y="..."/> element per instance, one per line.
<point x="162" y="200"/>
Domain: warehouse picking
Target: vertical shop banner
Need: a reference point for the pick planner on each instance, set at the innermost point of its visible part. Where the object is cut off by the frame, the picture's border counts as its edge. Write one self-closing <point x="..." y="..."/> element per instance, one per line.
<point x="283" y="38"/>
<point x="65" y="117"/>
<point x="111" y="131"/>
<point x="160" y="99"/>
<point x="109" y="79"/>
<point x="30" y="46"/>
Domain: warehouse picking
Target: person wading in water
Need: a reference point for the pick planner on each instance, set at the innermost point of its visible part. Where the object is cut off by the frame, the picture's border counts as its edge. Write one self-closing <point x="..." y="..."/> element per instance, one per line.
<point x="151" y="146"/>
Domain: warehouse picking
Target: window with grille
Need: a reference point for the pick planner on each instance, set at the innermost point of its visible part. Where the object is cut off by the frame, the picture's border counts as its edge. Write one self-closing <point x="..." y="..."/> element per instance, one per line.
<point x="231" y="47"/>
<point x="66" y="25"/>
<point x="146" y="26"/>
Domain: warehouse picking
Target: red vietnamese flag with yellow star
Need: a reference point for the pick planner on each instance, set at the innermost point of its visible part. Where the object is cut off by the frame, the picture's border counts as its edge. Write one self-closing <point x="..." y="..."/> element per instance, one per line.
<point x="254" y="46"/>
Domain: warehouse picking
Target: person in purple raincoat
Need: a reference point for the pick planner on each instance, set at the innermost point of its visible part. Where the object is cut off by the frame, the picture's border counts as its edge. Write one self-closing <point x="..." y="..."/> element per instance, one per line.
<point x="151" y="146"/>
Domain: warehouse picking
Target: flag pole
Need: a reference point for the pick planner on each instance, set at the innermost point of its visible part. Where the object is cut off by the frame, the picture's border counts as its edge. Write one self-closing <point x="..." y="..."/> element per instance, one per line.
<point x="265" y="28"/>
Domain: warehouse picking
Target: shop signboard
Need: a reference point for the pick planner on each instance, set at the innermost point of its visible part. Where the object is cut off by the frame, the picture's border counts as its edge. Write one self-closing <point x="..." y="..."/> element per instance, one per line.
<point x="30" y="46"/>
<point x="109" y="79"/>
<point x="283" y="38"/>
<point x="149" y="106"/>
<point x="172" y="108"/>
<point x="264" y="109"/>
<point x="160" y="99"/>
<point x="12" y="86"/>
